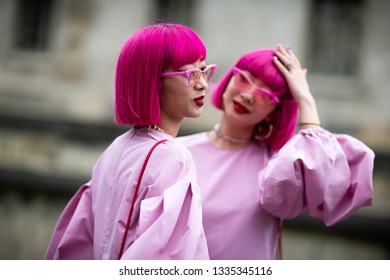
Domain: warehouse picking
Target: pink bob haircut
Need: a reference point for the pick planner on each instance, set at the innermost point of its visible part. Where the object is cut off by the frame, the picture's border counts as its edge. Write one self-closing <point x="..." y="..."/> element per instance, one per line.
<point x="260" y="64"/>
<point x="144" y="56"/>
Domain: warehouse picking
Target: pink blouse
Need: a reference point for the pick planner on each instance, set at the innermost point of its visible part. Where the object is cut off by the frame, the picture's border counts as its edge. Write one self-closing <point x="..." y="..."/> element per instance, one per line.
<point x="246" y="191"/>
<point x="167" y="219"/>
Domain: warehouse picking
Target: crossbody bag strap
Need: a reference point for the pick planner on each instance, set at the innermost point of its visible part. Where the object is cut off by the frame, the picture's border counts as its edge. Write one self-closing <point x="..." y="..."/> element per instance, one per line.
<point x="279" y="249"/>
<point x="135" y="196"/>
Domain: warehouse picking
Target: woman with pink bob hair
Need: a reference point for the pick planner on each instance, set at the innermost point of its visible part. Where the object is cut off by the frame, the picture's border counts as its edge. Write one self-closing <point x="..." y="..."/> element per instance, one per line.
<point x="254" y="169"/>
<point x="143" y="199"/>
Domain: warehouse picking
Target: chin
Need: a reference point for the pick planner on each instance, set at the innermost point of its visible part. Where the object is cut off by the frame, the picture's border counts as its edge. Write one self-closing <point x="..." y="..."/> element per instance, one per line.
<point x="196" y="113"/>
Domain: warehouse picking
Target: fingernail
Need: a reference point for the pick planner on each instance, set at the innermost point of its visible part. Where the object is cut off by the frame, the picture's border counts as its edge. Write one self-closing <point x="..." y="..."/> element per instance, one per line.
<point x="289" y="47"/>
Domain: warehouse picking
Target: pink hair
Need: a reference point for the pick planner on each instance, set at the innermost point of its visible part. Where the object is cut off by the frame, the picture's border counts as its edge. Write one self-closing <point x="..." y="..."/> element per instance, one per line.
<point x="260" y="64"/>
<point x="144" y="56"/>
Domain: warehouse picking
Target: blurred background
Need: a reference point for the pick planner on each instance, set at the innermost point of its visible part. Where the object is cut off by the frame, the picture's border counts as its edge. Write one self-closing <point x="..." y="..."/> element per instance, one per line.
<point x="57" y="64"/>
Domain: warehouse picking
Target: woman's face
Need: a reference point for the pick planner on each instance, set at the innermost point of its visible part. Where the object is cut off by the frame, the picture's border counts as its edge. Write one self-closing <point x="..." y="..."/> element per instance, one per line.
<point x="243" y="103"/>
<point x="178" y="99"/>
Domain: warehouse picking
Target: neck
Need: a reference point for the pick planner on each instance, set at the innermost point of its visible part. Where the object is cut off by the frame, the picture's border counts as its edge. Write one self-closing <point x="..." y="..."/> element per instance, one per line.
<point x="230" y="137"/>
<point x="170" y="127"/>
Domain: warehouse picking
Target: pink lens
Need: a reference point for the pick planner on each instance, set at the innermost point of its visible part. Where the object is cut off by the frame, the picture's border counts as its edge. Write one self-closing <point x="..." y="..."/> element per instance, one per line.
<point x="243" y="80"/>
<point x="193" y="75"/>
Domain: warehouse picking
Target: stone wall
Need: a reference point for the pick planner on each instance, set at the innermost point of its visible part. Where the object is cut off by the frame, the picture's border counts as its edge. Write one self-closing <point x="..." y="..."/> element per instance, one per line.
<point x="56" y="107"/>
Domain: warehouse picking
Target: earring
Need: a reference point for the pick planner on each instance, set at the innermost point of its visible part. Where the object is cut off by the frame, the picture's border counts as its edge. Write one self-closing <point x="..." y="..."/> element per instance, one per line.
<point x="264" y="130"/>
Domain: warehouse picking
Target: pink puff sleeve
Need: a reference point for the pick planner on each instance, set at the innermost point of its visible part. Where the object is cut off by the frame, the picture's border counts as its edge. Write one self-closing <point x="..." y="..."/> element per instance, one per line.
<point x="169" y="227"/>
<point x="73" y="235"/>
<point x="326" y="174"/>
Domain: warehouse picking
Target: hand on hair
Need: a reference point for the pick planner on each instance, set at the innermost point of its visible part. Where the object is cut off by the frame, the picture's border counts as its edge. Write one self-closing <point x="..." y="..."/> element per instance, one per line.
<point x="290" y="67"/>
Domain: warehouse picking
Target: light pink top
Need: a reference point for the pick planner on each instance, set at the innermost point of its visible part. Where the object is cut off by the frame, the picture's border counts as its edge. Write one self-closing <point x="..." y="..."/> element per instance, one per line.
<point x="245" y="191"/>
<point x="167" y="219"/>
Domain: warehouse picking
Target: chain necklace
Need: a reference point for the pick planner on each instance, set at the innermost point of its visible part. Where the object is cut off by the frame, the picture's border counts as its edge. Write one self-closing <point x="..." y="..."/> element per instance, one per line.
<point x="150" y="127"/>
<point x="155" y="127"/>
<point x="229" y="138"/>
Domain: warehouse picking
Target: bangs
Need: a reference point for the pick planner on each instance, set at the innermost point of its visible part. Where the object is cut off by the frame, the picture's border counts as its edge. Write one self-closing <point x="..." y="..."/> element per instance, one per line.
<point x="184" y="47"/>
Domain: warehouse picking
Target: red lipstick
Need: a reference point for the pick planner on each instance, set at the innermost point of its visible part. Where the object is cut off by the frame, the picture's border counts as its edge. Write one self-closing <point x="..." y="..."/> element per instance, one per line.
<point x="199" y="101"/>
<point x="240" y="108"/>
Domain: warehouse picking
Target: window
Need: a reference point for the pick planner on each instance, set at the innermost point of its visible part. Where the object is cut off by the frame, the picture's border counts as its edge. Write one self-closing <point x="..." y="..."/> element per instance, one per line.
<point x="32" y="24"/>
<point x="335" y="34"/>
<point x="178" y="11"/>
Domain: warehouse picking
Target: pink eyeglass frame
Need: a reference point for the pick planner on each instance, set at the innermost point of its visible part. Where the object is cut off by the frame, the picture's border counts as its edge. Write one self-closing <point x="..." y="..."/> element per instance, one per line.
<point x="260" y="90"/>
<point x="188" y="72"/>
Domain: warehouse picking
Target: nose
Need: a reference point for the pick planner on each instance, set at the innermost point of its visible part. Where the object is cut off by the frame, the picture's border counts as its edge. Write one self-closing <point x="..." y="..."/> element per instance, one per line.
<point x="247" y="97"/>
<point x="202" y="84"/>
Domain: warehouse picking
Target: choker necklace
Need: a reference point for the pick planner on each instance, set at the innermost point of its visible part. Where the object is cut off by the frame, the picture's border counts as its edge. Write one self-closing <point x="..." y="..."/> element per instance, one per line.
<point x="229" y="138"/>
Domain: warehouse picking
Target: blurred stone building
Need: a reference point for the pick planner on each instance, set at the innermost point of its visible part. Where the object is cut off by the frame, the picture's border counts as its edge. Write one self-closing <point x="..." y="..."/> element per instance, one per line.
<point x="57" y="64"/>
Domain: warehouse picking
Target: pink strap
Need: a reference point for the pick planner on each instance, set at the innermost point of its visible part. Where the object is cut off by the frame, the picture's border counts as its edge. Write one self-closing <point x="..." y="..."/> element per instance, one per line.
<point x="135" y="196"/>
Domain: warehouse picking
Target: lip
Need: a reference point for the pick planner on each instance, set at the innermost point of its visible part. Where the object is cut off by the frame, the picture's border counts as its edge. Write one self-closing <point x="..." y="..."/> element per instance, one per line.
<point x="199" y="101"/>
<point x="239" y="108"/>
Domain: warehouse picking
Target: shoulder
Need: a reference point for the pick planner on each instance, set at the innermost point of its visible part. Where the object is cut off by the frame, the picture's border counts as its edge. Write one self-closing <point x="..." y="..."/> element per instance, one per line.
<point x="169" y="162"/>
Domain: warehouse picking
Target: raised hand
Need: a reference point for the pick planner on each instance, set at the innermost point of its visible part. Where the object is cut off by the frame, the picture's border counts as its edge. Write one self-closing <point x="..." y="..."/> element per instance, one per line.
<point x="289" y="65"/>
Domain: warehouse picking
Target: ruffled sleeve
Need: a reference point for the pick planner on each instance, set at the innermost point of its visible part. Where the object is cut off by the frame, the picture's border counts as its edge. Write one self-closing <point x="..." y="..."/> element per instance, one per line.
<point x="73" y="233"/>
<point x="328" y="175"/>
<point x="169" y="227"/>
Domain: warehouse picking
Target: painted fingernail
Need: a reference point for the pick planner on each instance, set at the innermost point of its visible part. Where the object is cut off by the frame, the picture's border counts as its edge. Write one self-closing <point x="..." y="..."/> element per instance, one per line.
<point x="289" y="47"/>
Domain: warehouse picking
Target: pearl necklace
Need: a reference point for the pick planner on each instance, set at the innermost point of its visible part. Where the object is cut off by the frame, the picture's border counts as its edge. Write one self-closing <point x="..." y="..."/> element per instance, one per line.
<point x="229" y="138"/>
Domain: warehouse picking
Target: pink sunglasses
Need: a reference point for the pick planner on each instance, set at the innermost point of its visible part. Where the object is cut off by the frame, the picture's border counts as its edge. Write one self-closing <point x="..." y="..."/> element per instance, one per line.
<point x="243" y="80"/>
<point x="193" y="75"/>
